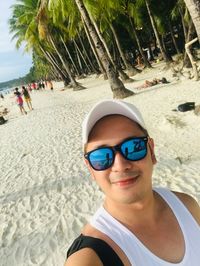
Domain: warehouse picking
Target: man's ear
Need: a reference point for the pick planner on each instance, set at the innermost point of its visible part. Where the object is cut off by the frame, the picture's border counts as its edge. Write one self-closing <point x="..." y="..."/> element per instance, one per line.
<point x="89" y="168"/>
<point x="151" y="147"/>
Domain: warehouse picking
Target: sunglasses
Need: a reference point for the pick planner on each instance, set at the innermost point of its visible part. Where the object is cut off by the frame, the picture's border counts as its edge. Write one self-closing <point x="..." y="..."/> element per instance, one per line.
<point x="132" y="149"/>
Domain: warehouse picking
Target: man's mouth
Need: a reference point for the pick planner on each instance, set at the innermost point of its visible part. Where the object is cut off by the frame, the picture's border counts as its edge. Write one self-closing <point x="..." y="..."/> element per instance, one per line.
<point x="126" y="181"/>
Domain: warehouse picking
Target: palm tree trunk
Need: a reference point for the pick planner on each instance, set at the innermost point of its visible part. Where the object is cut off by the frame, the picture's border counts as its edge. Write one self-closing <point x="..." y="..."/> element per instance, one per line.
<point x="67" y="50"/>
<point x="186" y="61"/>
<point x="193" y="62"/>
<point x="75" y="85"/>
<point x="94" y="51"/>
<point x="86" y="54"/>
<point x="183" y="23"/>
<point x="163" y="43"/>
<point x="61" y="71"/>
<point x="194" y="9"/>
<point x="130" y="69"/>
<point x="55" y="66"/>
<point x="153" y="23"/>
<point x="65" y="65"/>
<point x="123" y="75"/>
<point x="78" y="59"/>
<point x="117" y="87"/>
<point x="101" y="38"/>
<point x="82" y="56"/>
<point x="115" y="53"/>
<point x="146" y="62"/>
<point x="165" y="48"/>
<point x="173" y="38"/>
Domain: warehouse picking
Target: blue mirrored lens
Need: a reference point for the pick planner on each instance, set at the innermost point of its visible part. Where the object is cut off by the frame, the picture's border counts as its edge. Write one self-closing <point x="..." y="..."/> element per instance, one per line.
<point x="101" y="159"/>
<point x="134" y="149"/>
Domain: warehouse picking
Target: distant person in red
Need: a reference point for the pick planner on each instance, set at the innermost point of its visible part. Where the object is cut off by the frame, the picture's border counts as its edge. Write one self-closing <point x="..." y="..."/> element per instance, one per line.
<point x="19" y="101"/>
<point x="34" y="86"/>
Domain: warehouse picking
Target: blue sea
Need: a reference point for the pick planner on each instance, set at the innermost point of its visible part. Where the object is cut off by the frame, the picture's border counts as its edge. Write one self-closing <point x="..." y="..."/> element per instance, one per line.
<point x="5" y="91"/>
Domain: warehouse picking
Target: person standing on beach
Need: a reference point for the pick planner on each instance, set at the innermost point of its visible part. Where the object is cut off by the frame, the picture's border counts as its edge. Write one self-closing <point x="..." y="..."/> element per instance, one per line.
<point x="27" y="97"/>
<point x="43" y="84"/>
<point x="19" y="101"/>
<point x="50" y="85"/>
<point x="137" y="224"/>
<point x="29" y="88"/>
<point x="34" y="86"/>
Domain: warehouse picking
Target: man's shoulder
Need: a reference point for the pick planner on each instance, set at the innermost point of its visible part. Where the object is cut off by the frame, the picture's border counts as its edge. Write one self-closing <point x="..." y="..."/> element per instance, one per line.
<point x="96" y="248"/>
<point x="84" y="257"/>
<point x="190" y="203"/>
<point x="80" y="254"/>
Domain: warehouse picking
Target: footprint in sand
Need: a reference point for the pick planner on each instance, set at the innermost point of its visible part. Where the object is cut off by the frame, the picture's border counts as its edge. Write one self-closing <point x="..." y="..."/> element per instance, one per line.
<point x="171" y="121"/>
<point x="8" y="234"/>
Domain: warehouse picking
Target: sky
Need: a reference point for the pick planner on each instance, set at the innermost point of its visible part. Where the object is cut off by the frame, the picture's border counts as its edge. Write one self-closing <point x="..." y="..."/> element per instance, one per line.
<point x="13" y="63"/>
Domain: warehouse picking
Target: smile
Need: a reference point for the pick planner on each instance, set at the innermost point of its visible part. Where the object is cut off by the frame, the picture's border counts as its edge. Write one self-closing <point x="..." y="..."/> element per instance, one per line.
<point x="126" y="182"/>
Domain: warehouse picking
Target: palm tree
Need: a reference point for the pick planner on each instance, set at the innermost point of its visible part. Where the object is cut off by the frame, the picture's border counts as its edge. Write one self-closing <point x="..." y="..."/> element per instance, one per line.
<point x="131" y="10"/>
<point x="69" y="54"/>
<point x="152" y="19"/>
<point x="107" y="14"/>
<point x="66" y="16"/>
<point x="86" y="54"/>
<point x="194" y="9"/>
<point x="122" y="74"/>
<point x="181" y="12"/>
<point x="47" y="32"/>
<point x="117" y="87"/>
<point x="23" y="25"/>
<point x="129" y="68"/>
<point x="92" y="45"/>
<point x="145" y="60"/>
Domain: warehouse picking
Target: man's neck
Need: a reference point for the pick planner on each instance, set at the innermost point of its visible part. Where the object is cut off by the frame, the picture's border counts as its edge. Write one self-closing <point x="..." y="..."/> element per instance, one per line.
<point x="147" y="210"/>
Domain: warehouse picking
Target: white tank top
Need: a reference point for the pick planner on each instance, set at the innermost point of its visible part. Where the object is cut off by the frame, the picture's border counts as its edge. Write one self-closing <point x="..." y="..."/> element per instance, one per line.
<point x="137" y="253"/>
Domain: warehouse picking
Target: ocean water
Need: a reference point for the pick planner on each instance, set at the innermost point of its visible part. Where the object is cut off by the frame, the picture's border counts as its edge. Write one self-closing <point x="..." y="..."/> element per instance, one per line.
<point x="5" y="91"/>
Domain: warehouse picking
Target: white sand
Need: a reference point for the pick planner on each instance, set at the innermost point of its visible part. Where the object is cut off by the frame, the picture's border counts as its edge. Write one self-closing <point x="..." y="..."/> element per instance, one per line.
<point x="46" y="194"/>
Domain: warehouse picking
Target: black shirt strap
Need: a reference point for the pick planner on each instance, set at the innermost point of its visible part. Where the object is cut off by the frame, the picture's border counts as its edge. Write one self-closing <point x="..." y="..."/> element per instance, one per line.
<point x="106" y="254"/>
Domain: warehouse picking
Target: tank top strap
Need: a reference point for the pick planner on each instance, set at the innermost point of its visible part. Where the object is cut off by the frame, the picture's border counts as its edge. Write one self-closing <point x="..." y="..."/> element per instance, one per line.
<point x="181" y="213"/>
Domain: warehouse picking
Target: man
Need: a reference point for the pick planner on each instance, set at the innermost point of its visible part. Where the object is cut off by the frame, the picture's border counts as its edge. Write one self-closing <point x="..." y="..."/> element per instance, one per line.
<point x="137" y="225"/>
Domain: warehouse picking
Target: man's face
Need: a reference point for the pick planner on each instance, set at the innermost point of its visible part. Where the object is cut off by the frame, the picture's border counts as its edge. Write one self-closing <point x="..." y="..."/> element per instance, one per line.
<point x="125" y="181"/>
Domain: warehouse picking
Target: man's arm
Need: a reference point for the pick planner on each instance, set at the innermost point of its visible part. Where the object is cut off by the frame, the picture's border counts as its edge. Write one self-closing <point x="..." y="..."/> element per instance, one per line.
<point x="191" y="204"/>
<point x="84" y="257"/>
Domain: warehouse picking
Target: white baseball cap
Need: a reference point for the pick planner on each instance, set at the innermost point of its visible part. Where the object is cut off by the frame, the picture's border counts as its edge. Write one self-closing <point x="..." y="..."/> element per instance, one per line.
<point x="110" y="107"/>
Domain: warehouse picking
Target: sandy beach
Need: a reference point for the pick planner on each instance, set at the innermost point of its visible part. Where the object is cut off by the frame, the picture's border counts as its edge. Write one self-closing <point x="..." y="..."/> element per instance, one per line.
<point x="46" y="194"/>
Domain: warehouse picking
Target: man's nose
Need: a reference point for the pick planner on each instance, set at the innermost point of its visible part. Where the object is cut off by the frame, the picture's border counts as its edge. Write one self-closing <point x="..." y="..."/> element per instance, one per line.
<point x="120" y="163"/>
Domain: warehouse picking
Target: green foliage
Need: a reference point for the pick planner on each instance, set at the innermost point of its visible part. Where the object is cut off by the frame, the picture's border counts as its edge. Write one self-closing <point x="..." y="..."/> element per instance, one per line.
<point x="35" y="21"/>
<point x="23" y="23"/>
<point x="41" y="68"/>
